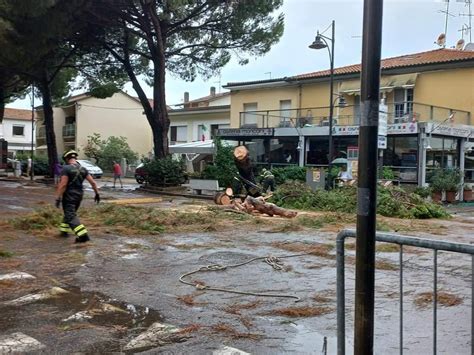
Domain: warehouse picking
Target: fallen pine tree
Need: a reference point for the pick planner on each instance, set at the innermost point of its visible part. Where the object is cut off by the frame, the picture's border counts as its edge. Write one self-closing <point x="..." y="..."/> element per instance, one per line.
<point x="251" y="205"/>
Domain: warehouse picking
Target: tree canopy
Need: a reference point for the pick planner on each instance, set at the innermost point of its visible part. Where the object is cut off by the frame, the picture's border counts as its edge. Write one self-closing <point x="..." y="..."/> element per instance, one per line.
<point x="185" y="37"/>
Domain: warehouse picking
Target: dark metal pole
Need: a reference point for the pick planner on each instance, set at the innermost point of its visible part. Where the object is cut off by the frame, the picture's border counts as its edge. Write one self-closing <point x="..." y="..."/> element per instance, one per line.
<point x="32" y="129"/>
<point x="367" y="181"/>
<point x="331" y="88"/>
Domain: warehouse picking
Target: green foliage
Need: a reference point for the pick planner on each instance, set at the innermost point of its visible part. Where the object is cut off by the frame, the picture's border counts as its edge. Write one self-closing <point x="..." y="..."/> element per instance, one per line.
<point x="445" y="180"/>
<point x="391" y="201"/>
<point x="106" y="151"/>
<point x="40" y="163"/>
<point x="287" y="173"/>
<point x="5" y="254"/>
<point x="165" y="171"/>
<point x="422" y="191"/>
<point x="387" y="173"/>
<point x="223" y="169"/>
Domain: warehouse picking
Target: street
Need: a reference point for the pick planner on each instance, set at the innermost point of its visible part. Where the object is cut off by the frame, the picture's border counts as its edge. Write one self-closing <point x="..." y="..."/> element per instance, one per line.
<point x="116" y="287"/>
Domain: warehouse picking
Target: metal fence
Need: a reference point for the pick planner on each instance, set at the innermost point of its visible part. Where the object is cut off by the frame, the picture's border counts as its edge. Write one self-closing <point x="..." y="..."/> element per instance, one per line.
<point x="434" y="245"/>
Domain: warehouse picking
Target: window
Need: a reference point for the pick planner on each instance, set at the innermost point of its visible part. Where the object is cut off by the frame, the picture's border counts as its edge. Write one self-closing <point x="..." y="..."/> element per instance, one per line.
<point x="18" y="131"/>
<point x="285" y="112"/>
<point x="70" y="120"/>
<point x="214" y="128"/>
<point x="357" y="112"/>
<point x="179" y="134"/>
<point x="250" y="118"/>
<point x="403" y="103"/>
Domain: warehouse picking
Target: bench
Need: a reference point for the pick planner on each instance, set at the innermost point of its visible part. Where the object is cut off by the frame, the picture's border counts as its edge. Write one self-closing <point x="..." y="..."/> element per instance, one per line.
<point x="198" y="185"/>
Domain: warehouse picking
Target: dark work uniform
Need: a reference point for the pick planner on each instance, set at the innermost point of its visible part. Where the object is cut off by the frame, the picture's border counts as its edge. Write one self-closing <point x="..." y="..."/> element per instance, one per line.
<point x="72" y="199"/>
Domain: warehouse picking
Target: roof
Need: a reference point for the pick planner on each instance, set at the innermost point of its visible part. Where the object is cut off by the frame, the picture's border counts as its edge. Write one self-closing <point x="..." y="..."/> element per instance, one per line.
<point x="17" y="114"/>
<point x="197" y="147"/>
<point x="86" y="95"/>
<point x="437" y="56"/>
<point x="208" y="98"/>
<point x="200" y="109"/>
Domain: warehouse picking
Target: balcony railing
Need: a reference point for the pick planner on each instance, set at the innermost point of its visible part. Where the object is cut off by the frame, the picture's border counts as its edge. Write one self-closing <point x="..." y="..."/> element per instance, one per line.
<point x="69" y="131"/>
<point x="396" y="112"/>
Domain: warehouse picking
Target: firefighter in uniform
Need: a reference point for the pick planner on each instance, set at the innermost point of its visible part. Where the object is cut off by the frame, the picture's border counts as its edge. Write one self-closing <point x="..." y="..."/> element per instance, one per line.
<point x="70" y="193"/>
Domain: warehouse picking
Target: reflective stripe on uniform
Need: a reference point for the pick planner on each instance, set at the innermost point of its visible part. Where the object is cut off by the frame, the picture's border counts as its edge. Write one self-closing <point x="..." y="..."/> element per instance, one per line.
<point x="64" y="227"/>
<point x="80" y="230"/>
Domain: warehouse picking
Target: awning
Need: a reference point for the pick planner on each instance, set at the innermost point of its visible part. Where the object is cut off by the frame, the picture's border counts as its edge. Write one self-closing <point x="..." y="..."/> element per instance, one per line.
<point x="387" y="83"/>
<point x="198" y="147"/>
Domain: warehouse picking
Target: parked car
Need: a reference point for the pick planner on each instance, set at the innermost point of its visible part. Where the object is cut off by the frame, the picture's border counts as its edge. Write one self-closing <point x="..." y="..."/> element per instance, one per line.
<point x="140" y="174"/>
<point x="93" y="169"/>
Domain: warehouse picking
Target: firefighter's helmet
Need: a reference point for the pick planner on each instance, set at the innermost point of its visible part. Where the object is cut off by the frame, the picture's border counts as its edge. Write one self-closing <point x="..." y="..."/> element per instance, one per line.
<point x="70" y="154"/>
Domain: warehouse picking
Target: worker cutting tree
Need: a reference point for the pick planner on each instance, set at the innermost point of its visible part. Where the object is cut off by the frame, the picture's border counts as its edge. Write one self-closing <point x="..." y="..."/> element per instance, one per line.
<point x="70" y="192"/>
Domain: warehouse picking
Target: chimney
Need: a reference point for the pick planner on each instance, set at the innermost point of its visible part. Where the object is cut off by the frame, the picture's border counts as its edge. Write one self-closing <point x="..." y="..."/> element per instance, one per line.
<point x="213" y="91"/>
<point x="186" y="97"/>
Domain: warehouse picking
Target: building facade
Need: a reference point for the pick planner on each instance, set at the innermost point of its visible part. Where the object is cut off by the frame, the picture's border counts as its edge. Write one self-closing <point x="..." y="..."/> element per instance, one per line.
<point x="427" y="101"/>
<point x="199" y="119"/>
<point x="16" y="128"/>
<point x="118" y="115"/>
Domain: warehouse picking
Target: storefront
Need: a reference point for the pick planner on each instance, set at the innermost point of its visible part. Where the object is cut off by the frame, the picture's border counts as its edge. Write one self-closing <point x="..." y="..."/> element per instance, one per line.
<point x="411" y="147"/>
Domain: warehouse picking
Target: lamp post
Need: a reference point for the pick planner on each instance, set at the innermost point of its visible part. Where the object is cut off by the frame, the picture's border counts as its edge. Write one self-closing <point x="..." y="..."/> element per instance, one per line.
<point x="320" y="42"/>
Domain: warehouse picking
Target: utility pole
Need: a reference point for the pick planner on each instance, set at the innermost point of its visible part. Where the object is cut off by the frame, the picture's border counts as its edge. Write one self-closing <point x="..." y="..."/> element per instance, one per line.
<point x="367" y="182"/>
<point x="32" y="130"/>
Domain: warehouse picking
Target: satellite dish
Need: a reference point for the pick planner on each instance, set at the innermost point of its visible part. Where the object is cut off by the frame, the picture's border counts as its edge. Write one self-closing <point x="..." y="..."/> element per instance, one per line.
<point x="441" y="41"/>
<point x="460" y="44"/>
<point x="469" y="47"/>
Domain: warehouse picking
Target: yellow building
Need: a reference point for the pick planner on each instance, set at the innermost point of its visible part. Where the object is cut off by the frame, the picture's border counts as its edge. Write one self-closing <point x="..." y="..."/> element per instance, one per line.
<point x="427" y="100"/>
<point x="118" y="115"/>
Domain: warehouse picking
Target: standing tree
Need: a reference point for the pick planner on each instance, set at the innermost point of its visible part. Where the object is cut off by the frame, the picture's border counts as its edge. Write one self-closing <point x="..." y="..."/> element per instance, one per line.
<point x="185" y="37"/>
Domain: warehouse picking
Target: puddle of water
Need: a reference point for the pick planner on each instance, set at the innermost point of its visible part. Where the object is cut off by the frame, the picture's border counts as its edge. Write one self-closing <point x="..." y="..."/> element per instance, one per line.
<point x="309" y="340"/>
<point x="86" y="307"/>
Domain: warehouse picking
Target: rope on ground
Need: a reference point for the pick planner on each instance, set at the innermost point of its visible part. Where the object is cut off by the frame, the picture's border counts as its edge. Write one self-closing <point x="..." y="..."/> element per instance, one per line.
<point x="273" y="261"/>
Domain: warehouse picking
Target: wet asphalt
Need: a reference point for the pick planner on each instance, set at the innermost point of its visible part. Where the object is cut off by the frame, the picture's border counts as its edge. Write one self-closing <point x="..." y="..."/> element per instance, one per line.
<point x="142" y="273"/>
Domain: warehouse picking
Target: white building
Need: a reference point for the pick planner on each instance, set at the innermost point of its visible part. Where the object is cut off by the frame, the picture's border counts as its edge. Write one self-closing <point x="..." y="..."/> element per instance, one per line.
<point x="16" y="129"/>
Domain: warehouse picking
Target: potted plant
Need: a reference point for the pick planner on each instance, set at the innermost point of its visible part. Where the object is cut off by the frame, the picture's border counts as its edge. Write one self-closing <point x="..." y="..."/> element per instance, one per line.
<point x="438" y="185"/>
<point x="467" y="192"/>
<point x="453" y="179"/>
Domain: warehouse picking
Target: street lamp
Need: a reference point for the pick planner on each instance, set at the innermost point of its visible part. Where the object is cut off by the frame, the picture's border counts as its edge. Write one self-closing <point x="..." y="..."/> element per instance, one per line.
<point x="320" y="42"/>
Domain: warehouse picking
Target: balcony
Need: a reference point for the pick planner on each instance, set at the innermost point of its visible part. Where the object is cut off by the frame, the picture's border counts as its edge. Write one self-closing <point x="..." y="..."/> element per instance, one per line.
<point x="396" y="112"/>
<point x="41" y="136"/>
<point x="69" y="132"/>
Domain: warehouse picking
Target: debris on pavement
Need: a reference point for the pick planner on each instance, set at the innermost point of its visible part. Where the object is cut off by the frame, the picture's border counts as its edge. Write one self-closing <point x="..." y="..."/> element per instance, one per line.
<point x="158" y="334"/>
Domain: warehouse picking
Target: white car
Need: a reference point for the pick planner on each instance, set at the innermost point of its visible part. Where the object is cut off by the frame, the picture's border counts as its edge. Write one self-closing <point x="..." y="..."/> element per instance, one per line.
<point x="93" y="169"/>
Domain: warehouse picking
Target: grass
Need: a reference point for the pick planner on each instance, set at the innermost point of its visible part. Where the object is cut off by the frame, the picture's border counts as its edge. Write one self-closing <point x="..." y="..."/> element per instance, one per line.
<point x="232" y="332"/>
<point x="312" y="249"/>
<point x="236" y="308"/>
<point x="425" y="299"/>
<point x="301" y="312"/>
<point x="6" y="254"/>
<point x="121" y="219"/>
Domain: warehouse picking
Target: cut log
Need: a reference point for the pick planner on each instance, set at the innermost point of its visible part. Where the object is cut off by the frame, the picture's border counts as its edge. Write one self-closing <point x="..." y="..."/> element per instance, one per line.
<point x="229" y="192"/>
<point x="268" y="208"/>
<point x="225" y="200"/>
<point x="218" y="197"/>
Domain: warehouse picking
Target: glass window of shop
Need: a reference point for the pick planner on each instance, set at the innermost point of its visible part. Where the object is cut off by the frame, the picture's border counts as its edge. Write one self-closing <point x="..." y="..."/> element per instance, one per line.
<point x="318" y="149"/>
<point x="443" y="153"/>
<point x="275" y="151"/>
<point x="469" y="163"/>
<point x="402" y="156"/>
<point x="284" y="150"/>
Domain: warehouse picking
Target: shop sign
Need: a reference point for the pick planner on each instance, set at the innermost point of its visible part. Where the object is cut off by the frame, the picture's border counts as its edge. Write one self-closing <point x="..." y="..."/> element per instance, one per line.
<point x="403" y="128"/>
<point x="383" y="110"/>
<point x="382" y="142"/>
<point x="451" y="130"/>
<point x="346" y="131"/>
<point x="245" y="132"/>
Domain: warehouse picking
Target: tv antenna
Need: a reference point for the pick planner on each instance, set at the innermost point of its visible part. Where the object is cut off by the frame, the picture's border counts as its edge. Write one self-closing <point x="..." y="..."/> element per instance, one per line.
<point x="219" y="83"/>
<point x="269" y="73"/>
<point x="469" y="15"/>
<point x="446" y="15"/>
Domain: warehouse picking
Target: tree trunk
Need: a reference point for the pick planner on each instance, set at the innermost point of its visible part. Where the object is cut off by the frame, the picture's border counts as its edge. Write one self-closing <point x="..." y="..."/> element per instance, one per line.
<point x="2" y="104"/>
<point x="49" y="125"/>
<point x="160" y="138"/>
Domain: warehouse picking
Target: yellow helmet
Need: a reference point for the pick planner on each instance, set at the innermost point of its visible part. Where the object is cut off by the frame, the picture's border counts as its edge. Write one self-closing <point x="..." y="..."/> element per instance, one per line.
<point x="70" y="154"/>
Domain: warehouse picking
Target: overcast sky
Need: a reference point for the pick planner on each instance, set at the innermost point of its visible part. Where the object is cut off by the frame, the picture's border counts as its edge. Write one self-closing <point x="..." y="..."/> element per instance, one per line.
<point x="409" y="26"/>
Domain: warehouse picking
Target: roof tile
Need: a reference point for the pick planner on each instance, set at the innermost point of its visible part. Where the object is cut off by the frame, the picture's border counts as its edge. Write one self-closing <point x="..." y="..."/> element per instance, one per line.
<point x="17" y="114"/>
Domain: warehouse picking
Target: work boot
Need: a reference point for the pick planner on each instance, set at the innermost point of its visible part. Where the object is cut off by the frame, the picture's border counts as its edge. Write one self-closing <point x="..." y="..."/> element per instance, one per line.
<point x="82" y="239"/>
<point x="64" y="234"/>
